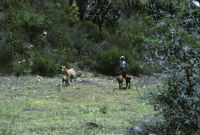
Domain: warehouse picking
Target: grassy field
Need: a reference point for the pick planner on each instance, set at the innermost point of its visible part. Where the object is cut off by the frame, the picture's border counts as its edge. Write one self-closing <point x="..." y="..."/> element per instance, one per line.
<point x="90" y="106"/>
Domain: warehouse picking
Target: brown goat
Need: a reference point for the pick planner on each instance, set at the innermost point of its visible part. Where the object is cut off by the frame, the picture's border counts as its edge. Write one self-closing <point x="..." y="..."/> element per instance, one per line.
<point x="120" y="81"/>
<point x="128" y="82"/>
<point x="64" y="80"/>
<point x="70" y="74"/>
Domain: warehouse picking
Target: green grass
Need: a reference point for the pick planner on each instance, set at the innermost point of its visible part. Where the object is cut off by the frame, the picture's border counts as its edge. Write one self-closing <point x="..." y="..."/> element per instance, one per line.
<point x="31" y="107"/>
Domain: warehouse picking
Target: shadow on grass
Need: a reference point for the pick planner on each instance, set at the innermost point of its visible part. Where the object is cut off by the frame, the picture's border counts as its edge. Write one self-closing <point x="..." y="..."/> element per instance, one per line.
<point x="123" y="88"/>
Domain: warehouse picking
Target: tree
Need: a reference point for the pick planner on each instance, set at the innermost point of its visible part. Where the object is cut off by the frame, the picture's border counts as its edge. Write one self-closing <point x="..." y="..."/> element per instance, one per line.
<point x="71" y="2"/>
<point x="82" y="4"/>
<point x="102" y="10"/>
<point x="177" y="53"/>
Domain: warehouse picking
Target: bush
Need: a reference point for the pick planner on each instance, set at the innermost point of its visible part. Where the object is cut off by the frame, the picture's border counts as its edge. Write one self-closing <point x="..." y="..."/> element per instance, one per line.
<point x="107" y="62"/>
<point x="179" y="99"/>
<point x="60" y="13"/>
<point x="26" y="22"/>
<point x="19" y="66"/>
<point x="134" y="67"/>
<point x="8" y="3"/>
<point x="86" y="63"/>
<point x="45" y="65"/>
<point x="7" y="53"/>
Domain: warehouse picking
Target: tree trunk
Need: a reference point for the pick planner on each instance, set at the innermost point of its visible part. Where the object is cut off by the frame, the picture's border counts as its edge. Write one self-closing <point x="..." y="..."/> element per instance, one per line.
<point x="124" y="3"/>
<point x="71" y="2"/>
<point x="81" y="15"/>
<point x="100" y="26"/>
<point x="128" y="3"/>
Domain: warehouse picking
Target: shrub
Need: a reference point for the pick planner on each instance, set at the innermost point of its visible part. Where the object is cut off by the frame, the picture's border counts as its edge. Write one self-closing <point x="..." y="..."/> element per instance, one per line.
<point x="134" y="67"/>
<point x="60" y="13"/>
<point x="179" y="98"/>
<point x="8" y="3"/>
<point x="102" y="11"/>
<point x="7" y="53"/>
<point x="107" y="62"/>
<point x="45" y="65"/>
<point x="86" y="63"/>
<point x="19" y="66"/>
<point x="26" y="22"/>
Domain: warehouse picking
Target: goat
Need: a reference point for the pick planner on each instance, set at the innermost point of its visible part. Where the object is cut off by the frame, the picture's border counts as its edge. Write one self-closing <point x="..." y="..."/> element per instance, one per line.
<point x="128" y="82"/>
<point x="70" y="74"/>
<point x="64" y="80"/>
<point x="120" y="81"/>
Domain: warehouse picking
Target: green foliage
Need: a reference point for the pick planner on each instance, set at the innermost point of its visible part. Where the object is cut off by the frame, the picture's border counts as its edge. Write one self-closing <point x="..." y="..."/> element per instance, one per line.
<point x="28" y="18"/>
<point x="14" y="55"/>
<point x="107" y="62"/>
<point x="82" y="4"/>
<point x="7" y="53"/>
<point x="73" y="13"/>
<point x="92" y="31"/>
<point x="73" y="33"/>
<point x="5" y="132"/>
<point x="86" y="63"/>
<point x="19" y="66"/>
<point x="158" y="9"/>
<point x="26" y="23"/>
<point x="63" y="26"/>
<point x="101" y="11"/>
<point x="45" y="65"/>
<point x="7" y="50"/>
<point x="177" y="53"/>
<point x="132" y="33"/>
<point x="180" y="109"/>
<point x="9" y="3"/>
<point x="56" y="14"/>
<point x="135" y="67"/>
<point x="95" y="33"/>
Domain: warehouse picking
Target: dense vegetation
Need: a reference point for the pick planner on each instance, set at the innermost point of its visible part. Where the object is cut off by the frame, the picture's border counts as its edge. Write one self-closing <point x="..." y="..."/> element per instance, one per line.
<point x="76" y="33"/>
<point x="156" y="35"/>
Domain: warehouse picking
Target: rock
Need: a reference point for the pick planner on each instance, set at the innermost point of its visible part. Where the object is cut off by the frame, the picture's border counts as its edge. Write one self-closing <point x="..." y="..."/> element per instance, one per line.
<point x="78" y="88"/>
<point x="135" y="130"/>
<point x="32" y="129"/>
<point x="15" y="88"/>
<point x="93" y="124"/>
